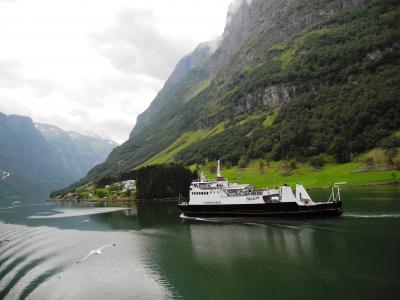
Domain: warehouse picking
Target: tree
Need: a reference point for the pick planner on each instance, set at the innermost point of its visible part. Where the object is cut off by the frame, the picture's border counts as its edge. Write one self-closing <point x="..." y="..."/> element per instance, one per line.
<point x="340" y="150"/>
<point x="261" y="166"/>
<point x="243" y="161"/>
<point x="317" y="161"/>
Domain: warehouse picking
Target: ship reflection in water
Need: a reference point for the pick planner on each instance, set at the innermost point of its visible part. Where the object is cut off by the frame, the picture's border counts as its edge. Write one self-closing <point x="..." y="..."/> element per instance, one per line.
<point x="226" y="243"/>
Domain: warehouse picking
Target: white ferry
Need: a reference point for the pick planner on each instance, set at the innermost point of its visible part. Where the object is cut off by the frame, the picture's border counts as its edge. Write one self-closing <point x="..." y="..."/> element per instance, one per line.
<point x="220" y="198"/>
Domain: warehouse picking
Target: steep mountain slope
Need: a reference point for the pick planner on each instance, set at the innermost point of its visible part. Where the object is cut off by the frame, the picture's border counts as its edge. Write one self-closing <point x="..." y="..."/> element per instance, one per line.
<point x="287" y="79"/>
<point x="40" y="161"/>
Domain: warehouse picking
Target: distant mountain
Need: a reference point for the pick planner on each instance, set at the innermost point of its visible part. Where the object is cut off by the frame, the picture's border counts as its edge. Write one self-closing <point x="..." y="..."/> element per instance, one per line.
<point x="41" y="158"/>
<point x="79" y="152"/>
<point x="287" y="79"/>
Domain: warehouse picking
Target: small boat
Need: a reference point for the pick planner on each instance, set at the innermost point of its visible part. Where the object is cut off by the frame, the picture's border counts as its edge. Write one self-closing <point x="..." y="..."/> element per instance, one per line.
<point x="219" y="198"/>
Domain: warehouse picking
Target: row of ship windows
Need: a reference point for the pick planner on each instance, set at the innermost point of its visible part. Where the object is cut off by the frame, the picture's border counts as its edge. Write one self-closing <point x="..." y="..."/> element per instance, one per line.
<point x="202" y="193"/>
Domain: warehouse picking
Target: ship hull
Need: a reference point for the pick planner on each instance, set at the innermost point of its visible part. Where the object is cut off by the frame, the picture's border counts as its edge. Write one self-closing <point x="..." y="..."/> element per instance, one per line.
<point x="265" y="210"/>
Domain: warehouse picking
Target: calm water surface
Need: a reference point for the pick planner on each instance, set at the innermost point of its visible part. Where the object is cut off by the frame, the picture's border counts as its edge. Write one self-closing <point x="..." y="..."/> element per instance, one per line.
<point x="150" y="253"/>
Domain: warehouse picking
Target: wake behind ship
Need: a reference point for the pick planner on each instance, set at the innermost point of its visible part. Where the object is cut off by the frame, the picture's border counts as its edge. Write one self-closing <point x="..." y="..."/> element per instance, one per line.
<point x="220" y="198"/>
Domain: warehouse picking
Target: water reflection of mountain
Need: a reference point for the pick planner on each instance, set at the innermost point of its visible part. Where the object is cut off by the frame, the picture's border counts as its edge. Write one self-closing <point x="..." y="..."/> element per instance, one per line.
<point x="121" y="220"/>
<point x="157" y="214"/>
<point x="141" y="215"/>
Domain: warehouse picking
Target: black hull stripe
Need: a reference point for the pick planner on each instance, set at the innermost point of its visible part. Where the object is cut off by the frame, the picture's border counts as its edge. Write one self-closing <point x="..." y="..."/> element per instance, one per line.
<point x="263" y="210"/>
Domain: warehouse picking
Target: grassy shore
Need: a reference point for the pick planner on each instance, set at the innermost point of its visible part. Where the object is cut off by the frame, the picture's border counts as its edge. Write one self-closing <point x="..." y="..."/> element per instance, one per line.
<point x="277" y="173"/>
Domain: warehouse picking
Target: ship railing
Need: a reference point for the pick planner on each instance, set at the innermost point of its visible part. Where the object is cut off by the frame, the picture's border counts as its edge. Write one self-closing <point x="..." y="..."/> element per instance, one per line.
<point x="246" y="193"/>
<point x="335" y="192"/>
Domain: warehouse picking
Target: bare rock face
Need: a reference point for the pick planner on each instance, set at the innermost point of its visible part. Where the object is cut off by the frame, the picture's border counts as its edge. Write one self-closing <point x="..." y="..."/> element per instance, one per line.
<point x="197" y="58"/>
<point x="268" y="97"/>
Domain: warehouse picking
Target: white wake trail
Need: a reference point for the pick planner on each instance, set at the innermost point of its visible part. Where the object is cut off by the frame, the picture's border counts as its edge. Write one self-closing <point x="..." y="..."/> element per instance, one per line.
<point x="371" y="215"/>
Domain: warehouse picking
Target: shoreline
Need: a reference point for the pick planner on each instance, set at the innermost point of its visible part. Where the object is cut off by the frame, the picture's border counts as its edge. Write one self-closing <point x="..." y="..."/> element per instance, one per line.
<point x="170" y="199"/>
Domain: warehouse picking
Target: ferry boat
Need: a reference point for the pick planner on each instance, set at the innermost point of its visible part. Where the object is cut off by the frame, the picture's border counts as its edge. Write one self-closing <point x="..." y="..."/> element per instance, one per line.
<point x="219" y="198"/>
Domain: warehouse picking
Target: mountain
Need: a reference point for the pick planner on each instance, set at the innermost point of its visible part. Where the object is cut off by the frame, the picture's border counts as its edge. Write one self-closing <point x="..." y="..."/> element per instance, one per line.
<point x="78" y="152"/>
<point x="41" y="158"/>
<point x="287" y="79"/>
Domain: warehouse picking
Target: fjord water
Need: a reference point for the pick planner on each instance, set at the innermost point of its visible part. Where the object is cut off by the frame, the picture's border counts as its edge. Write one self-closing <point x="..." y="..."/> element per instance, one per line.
<point x="151" y="253"/>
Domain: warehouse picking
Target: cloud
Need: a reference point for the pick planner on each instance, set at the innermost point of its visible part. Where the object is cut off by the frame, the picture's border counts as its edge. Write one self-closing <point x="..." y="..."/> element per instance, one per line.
<point x="12" y="76"/>
<point x="136" y="46"/>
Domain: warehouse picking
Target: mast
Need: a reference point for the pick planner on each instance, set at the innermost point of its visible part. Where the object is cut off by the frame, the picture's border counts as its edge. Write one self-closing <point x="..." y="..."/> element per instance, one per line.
<point x="219" y="175"/>
<point x="202" y="176"/>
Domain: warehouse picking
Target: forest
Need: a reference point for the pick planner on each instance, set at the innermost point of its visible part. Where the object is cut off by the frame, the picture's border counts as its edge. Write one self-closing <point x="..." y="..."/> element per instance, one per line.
<point x="163" y="181"/>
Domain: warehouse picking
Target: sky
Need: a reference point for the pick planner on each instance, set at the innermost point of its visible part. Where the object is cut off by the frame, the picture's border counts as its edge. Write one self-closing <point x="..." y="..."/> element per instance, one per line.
<point x="92" y="66"/>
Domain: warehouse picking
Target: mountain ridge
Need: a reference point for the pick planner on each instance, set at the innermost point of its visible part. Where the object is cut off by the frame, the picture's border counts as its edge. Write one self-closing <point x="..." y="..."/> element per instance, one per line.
<point x="42" y="157"/>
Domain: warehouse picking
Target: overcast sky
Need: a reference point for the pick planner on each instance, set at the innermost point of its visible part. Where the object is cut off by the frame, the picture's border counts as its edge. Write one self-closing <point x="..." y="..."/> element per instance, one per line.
<point x="94" y="65"/>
